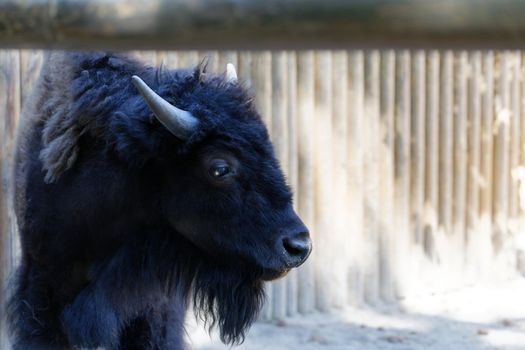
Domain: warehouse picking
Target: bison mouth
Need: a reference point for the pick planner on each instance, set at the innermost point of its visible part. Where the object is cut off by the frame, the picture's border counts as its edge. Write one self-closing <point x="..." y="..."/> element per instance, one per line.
<point x="272" y="274"/>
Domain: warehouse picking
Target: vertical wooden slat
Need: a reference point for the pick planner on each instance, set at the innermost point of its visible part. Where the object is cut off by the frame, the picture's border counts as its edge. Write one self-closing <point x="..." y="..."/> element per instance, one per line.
<point x="226" y="57"/>
<point x="305" y="194"/>
<point x="417" y="146"/>
<point x="430" y="234"/>
<point x="460" y="141"/>
<point x="456" y="250"/>
<point x="446" y="157"/>
<point x="522" y="137"/>
<point x="291" y="111"/>
<point x="4" y="247"/>
<point x="340" y="158"/>
<point x="433" y="245"/>
<point x="446" y="144"/>
<point x="168" y="59"/>
<point x="386" y="169"/>
<point x="501" y="153"/>
<point x="514" y="149"/>
<point x="487" y="153"/>
<point x="474" y="114"/>
<point x="279" y="137"/>
<point x="4" y="242"/>
<point x="323" y="178"/>
<point x="516" y="174"/>
<point x="245" y="69"/>
<point x="488" y="132"/>
<point x="417" y="164"/>
<point x="211" y="58"/>
<point x="30" y="66"/>
<point x="473" y="172"/>
<point x="356" y="280"/>
<point x="402" y="171"/>
<point x="148" y="57"/>
<point x="262" y="87"/>
<point x="9" y="115"/>
<point x="262" y="84"/>
<point x="188" y="59"/>
<point x="371" y="197"/>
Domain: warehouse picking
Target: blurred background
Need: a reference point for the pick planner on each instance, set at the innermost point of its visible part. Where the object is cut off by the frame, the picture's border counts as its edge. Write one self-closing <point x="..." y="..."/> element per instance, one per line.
<point x="409" y="169"/>
<point x="407" y="162"/>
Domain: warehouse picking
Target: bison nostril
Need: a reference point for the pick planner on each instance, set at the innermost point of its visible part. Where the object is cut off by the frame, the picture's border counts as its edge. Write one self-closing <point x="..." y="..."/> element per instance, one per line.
<point x="298" y="248"/>
<point x="292" y="247"/>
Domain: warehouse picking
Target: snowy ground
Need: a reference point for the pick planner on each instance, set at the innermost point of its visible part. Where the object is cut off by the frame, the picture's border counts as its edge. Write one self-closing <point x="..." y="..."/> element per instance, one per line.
<point x="473" y="318"/>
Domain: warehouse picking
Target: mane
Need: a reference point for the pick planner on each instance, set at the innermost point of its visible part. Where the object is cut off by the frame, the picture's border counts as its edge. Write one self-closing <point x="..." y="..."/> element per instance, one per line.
<point x="92" y="94"/>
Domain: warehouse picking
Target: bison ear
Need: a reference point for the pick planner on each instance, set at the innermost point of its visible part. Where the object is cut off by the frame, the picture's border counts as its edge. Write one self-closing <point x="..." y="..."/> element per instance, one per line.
<point x="135" y="138"/>
<point x="231" y="73"/>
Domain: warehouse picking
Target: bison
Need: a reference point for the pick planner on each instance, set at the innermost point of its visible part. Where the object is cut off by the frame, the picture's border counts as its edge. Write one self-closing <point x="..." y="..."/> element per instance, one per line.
<point x="142" y="192"/>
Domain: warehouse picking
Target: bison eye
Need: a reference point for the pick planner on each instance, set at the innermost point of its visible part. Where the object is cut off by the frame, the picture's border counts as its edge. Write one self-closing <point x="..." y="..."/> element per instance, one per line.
<point x="220" y="170"/>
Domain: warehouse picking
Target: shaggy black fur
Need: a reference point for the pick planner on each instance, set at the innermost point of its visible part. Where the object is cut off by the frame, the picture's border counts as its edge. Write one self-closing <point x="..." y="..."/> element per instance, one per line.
<point x="122" y="224"/>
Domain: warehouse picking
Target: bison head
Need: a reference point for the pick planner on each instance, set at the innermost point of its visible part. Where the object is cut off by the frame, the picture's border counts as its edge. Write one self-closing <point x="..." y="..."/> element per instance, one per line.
<point x="223" y="191"/>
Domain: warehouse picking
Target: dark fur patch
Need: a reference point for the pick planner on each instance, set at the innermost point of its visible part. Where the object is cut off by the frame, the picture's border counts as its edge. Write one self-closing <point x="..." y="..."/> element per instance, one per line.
<point x="121" y="226"/>
<point x="228" y="300"/>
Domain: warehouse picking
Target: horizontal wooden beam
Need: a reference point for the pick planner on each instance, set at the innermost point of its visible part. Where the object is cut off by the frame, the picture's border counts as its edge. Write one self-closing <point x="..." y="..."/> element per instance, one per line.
<point x="261" y="24"/>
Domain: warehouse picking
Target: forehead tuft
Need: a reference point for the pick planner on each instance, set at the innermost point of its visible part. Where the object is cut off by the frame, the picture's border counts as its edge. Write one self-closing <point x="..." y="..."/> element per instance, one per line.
<point x="224" y="109"/>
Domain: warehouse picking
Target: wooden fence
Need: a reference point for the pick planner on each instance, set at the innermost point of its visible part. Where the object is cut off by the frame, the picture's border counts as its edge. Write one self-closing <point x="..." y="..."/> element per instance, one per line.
<point x="407" y="166"/>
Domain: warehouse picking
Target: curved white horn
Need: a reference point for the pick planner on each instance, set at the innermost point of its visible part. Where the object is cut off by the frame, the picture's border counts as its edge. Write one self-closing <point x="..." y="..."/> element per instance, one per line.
<point x="178" y="121"/>
<point x="231" y="73"/>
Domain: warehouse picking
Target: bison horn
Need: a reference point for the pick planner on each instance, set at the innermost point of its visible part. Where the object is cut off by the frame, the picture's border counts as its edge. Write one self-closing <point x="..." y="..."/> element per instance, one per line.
<point x="179" y="122"/>
<point x="231" y="74"/>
